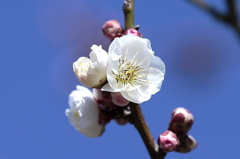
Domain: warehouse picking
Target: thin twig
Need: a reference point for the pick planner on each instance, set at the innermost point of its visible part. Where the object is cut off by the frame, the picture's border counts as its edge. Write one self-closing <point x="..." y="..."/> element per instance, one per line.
<point x="229" y="18"/>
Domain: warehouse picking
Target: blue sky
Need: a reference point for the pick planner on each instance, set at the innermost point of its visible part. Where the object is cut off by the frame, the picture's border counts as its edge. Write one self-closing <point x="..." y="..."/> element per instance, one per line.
<point x="39" y="41"/>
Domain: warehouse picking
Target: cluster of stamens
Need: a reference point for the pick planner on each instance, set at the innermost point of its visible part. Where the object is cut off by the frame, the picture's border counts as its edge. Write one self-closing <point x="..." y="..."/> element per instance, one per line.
<point x="130" y="72"/>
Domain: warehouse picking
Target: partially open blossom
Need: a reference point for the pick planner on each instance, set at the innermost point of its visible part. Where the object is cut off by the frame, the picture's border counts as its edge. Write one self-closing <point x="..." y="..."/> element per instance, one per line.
<point x="132" y="32"/>
<point x="92" y="72"/>
<point x="182" y="121"/>
<point x="133" y="70"/>
<point x="168" y="141"/>
<point x="112" y="29"/>
<point x="84" y="113"/>
<point x="187" y="144"/>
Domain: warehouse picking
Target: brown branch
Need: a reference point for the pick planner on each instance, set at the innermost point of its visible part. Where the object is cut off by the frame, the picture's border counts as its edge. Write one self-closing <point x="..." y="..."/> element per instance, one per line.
<point x="229" y="18"/>
<point x="139" y="122"/>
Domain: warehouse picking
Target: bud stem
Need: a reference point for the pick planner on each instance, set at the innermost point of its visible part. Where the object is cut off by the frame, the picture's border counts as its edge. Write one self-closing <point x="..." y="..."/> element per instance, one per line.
<point x="128" y="10"/>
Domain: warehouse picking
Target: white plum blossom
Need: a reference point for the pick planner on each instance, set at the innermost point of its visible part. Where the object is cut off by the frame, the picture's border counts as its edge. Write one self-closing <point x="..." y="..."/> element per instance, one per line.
<point x="133" y="70"/>
<point x="84" y="113"/>
<point x="92" y="72"/>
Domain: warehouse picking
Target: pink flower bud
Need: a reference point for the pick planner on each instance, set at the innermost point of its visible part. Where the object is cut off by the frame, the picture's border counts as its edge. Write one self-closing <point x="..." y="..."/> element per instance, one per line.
<point x="182" y="121"/>
<point x="132" y="32"/>
<point x="168" y="141"/>
<point x="118" y="99"/>
<point x="187" y="144"/>
<point x="104" y="99"/>
<point x="112" y="29"/>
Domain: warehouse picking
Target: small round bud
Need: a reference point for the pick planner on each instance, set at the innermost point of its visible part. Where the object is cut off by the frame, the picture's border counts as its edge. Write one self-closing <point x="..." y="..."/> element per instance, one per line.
<point x="187" y="144"/>
<point x="168" y="141"/>
<point x="118" y="99"/>
<point x="182" y="121"/>
<point x="132" y="32"/>
<point x="104" y="99"/>
<point x="121" y="121"/>
<point x="112" y="29"/>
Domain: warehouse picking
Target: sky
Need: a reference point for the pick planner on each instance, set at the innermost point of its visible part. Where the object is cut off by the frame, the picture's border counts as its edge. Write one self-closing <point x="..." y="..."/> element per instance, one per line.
<point x="40" y="39"/>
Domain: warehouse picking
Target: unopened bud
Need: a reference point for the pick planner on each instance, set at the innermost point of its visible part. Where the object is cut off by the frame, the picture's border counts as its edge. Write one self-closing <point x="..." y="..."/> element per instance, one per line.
<point x="187" y="144"/>
<point x="132" y="32"/>
<point x="168" y="141"/>
<point x="182" y="121"/>
<point x="121" y="121"/>
<point x="118" y="99"/>
<point x="112" y="29"/>
<point x="104" y="99"/>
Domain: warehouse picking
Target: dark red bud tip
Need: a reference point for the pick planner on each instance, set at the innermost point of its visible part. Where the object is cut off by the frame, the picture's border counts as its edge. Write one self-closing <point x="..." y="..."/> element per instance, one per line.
<point x="132" y="32"/>
<point x="121" y="121"/>
<point x="187" y="144"/>
<point x="182" y="121"/>
<point x="112" y="29"/>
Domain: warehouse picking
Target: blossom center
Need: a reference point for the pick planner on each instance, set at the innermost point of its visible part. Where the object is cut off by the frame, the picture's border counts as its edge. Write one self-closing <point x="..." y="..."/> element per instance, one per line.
<point x="130" y="72"/>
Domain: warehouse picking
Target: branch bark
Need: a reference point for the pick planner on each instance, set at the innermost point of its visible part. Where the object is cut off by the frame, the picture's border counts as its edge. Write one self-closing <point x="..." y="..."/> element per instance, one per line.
<point x="230" y="18"/>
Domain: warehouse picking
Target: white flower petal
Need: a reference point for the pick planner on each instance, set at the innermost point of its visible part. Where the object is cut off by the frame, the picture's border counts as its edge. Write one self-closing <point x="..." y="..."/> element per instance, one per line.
<point x="116" y="54"/>
<point x="81" y="66"/>
<point x="111" y="80"/>
<point x="139" y="95"/>
<point x="158" y="64"/>
<point x="155" y="80"/>
<point x="126" y="96"/>
<point x="99" y="55"/>
<point x="107" y="88"/>
<point x="138" y="51"/>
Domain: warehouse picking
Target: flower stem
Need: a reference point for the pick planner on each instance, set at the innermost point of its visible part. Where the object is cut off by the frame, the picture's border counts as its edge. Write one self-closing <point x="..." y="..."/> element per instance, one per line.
<point x="128" y="10"/>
